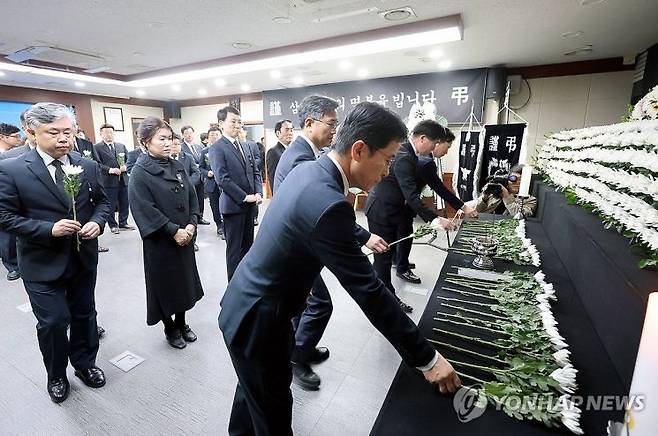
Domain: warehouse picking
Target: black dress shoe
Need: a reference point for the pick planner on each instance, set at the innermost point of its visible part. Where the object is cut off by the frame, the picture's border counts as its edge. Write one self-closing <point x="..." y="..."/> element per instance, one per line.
<point x="405" y="307"/>
<point x="408" y="276"/>
<point x="320" y="354"/>
<point x="305" y="377"/>
<point x="196" y="247"/>
<point x="220" y="233"/>
<point x="58" y="389"/>
<point x="94" y="377"/>
<point x="203" y="222"/>
<point x="175" y="339"/>
<point x="255" y="222"/>
<point x="102" y="249"/>
<point x="13" y="275"/>
<point x="114" y="230"/>
<point x="101" y="331"/>
<point x="188" y="334"/>
<point x="127" y="227"/>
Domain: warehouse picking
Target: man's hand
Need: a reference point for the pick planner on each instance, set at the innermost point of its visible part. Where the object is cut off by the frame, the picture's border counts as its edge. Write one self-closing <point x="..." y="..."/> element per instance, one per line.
<point x="182" y="237"/>
<point x="123" y="169"/>
<point x="65" y="228"/>
<point x="115" y="171"/>
<point x="211" y="174"/>
<point x="469" y="211"/>
<point x="90" y="230"/>
<point x="442" y="223"/>
<point x="377" y="244"/>
<point x="443" y="375"/>
<point x="251" y="198"/>
<point x="259" y="198"/>
<point x="190" y="229"/>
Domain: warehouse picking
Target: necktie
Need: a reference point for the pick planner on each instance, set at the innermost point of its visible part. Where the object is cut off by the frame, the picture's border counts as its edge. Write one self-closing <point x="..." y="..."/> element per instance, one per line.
<point x="59" y="174"/>
<point x="239" y="149"/>
<point x="112" y="148"/>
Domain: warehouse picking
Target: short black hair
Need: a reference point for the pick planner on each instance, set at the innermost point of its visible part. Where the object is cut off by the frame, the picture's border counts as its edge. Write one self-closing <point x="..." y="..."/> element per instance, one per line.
<point x="214" y="129"/>
<point x="106" y="126"/>
<point x="8" y="129"/>
<point x="223" y="112"/>
<point x="203" y="136"/>
<point x="279" y="124"/>
<point x="184" y="128"/>
<point x="432" y="130"/>
<point x="372" y="123"/>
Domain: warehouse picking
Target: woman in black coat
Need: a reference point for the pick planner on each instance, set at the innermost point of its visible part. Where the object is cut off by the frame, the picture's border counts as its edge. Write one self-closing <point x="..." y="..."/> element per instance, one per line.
<point x="164" y="205"/>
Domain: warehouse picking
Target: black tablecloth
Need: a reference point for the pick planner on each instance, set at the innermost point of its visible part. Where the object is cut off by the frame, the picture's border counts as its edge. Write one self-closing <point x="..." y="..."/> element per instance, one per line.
<point x="413" y="407"/>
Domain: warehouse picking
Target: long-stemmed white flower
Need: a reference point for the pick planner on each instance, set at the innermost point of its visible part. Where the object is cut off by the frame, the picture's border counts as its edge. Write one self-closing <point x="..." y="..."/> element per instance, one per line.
<point x="72" y="184"/>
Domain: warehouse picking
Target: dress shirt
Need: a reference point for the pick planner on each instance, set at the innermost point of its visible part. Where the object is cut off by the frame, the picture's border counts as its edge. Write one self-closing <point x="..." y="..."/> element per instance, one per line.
<point x="316" y="150"/>
<point x="48" y="160"/>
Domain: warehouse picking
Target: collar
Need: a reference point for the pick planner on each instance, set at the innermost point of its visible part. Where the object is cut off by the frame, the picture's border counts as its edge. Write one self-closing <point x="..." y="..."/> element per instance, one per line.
<point x="284" y="145"/>
<point x="413" y="147"/>
<point x="109" y="144"/>
<point x="231" y="140"/>
<point x="346" y="183"/>
<point x="48" y="159"/>
<point x="315" y="149"/>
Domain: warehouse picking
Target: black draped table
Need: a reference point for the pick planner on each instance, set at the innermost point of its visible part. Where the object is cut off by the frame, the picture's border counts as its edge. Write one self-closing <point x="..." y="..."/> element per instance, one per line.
<point x="596" y="291"/>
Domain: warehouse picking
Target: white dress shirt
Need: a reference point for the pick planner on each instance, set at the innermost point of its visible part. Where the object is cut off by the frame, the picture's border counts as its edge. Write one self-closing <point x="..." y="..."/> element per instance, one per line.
<point x="48" y="160"/>
<point x="316" y="150"/>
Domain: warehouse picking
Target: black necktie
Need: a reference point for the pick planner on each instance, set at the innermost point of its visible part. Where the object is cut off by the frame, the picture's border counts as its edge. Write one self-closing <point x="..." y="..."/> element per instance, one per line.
<point x="112" y="148"/>
<point x="59" y="174"/>
<point x="239" y="149"/>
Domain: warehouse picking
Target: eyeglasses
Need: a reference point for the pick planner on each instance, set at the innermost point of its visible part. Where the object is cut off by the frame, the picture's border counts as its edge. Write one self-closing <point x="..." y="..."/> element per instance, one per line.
<point x="512" y="178"/>
<point x="332" y="126"/>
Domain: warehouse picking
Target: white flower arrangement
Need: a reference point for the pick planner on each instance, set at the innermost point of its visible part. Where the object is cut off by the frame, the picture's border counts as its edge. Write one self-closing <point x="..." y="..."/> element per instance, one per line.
<point x="647" y="107"/>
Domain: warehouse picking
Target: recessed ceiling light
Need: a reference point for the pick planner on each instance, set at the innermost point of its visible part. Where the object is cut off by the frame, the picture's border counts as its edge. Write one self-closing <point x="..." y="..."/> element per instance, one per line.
<point x="282" y="20"/>
<point x="79" y="84"/>
<point x="241" y="45"/>
<point x="591" y="2"/>
<point x="202" y="91"/>
<point x="176" y="87"/>
<point x="435" y="54"/>
<point x="220" y="82"/>
<point x="245" y="87"/>
<point x="444" y="64"/>
<point x="140" y="92"/>
<point x="298" y="80"/>
<point x="345" y="64"/>
<point x="138" y="53"/>
<point x="398" y="14"/>
<point x="275" y="74"/>
<point x="362" y="73"/>
<point x="573" y="34"/>
<point x="155" y="24"/>
<point x="580" y="50"/>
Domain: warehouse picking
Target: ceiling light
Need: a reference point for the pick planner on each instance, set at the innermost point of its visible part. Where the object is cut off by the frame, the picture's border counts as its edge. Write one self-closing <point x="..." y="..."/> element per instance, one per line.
<point x="275" y="74"/>
<point x="573" y="34"/>
<point x="435" y="54"/>
<point x="591" y="2"/>
<point x="345" y="64"/>
<point x="444" y="64"/>
<point x="362" y="73"/>
<point x="580" y="50"/>
<point x="398" y="14"/>
<point x="176" y="87"/>
<point x="140" y="92"/>
<point x="241" y="45"/>
<point x="298" y="80"/>
<point x="2" y="73"/>
<point x="282" y="20"/>
<point x="202" y="91"/>
<point x="155" y="24"/>
<point x="345" y="15"/>
<point x="220" y="82"/>
<point x="245" y="87"/>
<point x="60" y="74"/>
<point x="79" y="84"/>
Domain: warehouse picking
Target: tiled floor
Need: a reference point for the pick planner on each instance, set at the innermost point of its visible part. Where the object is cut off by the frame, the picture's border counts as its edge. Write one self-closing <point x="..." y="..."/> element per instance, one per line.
<point x="190" y="391"/>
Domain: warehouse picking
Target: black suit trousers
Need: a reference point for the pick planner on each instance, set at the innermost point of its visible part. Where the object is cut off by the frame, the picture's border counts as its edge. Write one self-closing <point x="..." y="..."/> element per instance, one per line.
<point x="311" y="324"/>
<point x="383" y="262"/>
<point x="118" y="199"/>
<point x="239" y="234"/>
<point x="213" y="199"/>
<point x="405" y="228"/>
<point x="58" y="304"/>
<point x="201" y="196"/>
<point x="8" y="251"/>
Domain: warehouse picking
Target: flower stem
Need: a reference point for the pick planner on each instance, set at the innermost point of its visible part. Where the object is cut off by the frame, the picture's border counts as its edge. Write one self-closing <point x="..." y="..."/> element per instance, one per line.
<point x="480" y="367"/>
<point x="469" y="325"/>
<point x="471" y="294"/>
<point x="472" y="339"/>
<point x="465" y="301"/>
<point x="465" y="350"/>
<point x="477" y="312"/>
<point x="461" y="374"/>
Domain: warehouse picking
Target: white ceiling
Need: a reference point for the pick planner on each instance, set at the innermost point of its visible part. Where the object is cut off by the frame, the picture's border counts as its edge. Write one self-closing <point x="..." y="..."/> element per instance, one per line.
<point x="136" y="37"/>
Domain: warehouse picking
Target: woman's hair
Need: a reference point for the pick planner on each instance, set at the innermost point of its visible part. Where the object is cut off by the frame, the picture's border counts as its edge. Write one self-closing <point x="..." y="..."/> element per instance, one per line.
<point x="149" y="127"/>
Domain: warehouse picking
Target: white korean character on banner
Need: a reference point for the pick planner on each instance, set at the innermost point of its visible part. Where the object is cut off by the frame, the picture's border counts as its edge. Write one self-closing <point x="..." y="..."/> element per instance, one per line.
<point x="413" y="100"/>
<point x="493" y="142"/>
<point x="294" y="107"/>
<point x="399" y="100"/>
<point x="341" y="103"/>
<point x="275" y="108"/>
<point x="369" y="97"/>
<point x="429" y="97"/>
<point x="355" y="100"/>
<point x="459" y="94"/>
<point x="382" y="100"/>
<point x="511" y="143"/>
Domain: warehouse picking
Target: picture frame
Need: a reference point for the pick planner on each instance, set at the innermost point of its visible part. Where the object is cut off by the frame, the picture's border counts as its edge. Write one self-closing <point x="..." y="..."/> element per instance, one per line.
<point x="114" y="116"/>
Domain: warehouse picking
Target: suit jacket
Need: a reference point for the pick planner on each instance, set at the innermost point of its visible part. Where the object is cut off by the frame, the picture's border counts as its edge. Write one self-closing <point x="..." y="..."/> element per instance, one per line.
<point x="30" y="204"/>
<point x="108" y="160"/>
<point x="309" y="225"/>
<point x="298" y="152"/>
<point x="82" y="145"/>
<point x="427" y="174"/>
<point x="191" y="169"/>
<point x="387" y="200"/>
<point x="194" y="150"/>
<point x="209" y="185"/>
<point x="236" y="177"/>
<point x="272" y="160"/>
<point x="132" y="157"/>
<point x="14" y="152"/>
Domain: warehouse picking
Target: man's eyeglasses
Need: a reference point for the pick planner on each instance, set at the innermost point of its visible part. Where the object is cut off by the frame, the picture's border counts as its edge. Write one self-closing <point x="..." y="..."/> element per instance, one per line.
<point x="512" y="178"/>
<point x="333" y="126"/>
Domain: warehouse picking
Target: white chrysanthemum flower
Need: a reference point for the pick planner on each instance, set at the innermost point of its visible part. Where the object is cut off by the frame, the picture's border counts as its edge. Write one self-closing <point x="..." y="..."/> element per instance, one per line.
<point x="539" y="276"/>
<point x="570" y="414"/>
<point x="72" y="170"/>
<point x="566" y="377"/>
<point x="562" y="357"/>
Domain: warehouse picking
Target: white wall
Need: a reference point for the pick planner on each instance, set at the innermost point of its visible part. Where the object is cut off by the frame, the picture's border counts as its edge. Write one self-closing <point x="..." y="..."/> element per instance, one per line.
<point x="129" y="111"/>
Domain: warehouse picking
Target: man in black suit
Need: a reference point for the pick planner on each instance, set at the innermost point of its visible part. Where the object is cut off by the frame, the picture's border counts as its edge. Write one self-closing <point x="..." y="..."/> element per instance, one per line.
<point x="283" y="131"/>
<point x="237" y="175"/>
<point x="115" y="177"/>
<point x="386" y="206"/>
<point x="59" y="274"/>
<point x="10" y="138"/>
<point x="208" y="176"/>
<point x="310" y="224"/>
<point x="188" y="146"/>
<point x="190" y="165"/>
<point x="84" y="147"/>
<point x="132" y="157"/>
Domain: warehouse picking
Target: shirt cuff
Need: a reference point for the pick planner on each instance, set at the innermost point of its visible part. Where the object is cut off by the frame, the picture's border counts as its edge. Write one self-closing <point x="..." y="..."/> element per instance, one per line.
<point x="431" y="364"/>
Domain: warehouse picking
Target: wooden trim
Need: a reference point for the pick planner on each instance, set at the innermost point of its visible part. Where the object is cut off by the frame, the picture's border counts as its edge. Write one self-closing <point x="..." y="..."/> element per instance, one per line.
<point x="571" y="68"/>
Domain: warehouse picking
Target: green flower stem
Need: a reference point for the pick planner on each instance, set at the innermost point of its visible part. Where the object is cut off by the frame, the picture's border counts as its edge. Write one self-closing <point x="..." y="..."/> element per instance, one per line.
<point x="468" y="318"/>
<point x="465" y="350"/>
<point x="461" y="374"/>
<point x="480" y="367"/>
<point x="477" y="312"/>
<point x="470" y="325"/>
<point x="475" y="279"/>
<point x="470" y="294"/>
<point x="472" y="339"/>
<point x="469" y="285"/>
<point x="465" y="301"/>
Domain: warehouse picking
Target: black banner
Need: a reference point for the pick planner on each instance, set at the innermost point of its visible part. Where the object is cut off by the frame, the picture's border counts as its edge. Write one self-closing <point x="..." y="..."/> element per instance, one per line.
<point x="502" y="147"/>
<point x="465" y="176"/>
<point x="452" y="94"/>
